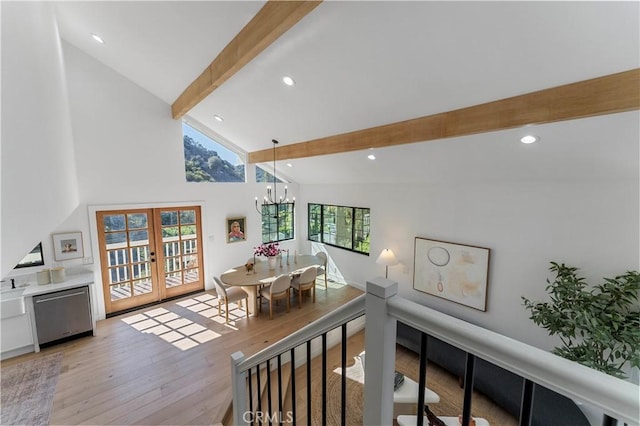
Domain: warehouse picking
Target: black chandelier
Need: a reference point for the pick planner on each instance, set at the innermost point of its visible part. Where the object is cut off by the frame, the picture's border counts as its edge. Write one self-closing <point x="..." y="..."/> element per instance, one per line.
<point x="271" y="198"/>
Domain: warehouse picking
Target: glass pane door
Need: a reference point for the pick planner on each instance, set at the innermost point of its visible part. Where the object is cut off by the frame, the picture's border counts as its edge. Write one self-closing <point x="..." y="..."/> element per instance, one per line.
<point x="148" y="255"/>
<point x="127" y="258"/>
<point x="181" y="253"/>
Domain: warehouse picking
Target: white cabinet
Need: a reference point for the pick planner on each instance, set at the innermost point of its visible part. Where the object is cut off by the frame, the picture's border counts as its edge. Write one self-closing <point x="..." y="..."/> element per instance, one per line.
<point x="19" y="334"/>
<point x="16" y="334"/>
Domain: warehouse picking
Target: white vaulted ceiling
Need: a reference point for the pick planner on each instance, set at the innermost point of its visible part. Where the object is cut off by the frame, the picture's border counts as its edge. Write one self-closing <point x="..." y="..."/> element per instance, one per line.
<point x="363" y="64"/>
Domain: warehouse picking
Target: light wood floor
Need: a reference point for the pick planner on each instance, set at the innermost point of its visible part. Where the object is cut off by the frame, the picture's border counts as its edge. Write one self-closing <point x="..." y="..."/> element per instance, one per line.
<point x="168" y="364"/>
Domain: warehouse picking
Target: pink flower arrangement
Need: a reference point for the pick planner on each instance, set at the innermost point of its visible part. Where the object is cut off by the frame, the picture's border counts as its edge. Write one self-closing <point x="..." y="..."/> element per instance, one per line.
<point x="268" y="250"/>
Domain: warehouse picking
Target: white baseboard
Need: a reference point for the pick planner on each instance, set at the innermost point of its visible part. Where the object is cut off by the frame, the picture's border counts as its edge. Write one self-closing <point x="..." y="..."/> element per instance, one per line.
<point x="17" y="352"/>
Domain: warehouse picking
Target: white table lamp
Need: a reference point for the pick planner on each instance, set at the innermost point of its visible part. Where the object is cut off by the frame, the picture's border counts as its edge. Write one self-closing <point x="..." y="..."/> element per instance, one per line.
<point x="387" y="258"/>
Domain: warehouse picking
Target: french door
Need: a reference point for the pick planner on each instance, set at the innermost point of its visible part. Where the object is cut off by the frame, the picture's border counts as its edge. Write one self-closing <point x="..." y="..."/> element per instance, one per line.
<point x="148" y="255"/>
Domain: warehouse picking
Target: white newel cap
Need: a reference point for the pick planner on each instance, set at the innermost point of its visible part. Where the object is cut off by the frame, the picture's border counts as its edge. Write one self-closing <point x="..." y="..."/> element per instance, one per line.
<point x="382" y="287"/>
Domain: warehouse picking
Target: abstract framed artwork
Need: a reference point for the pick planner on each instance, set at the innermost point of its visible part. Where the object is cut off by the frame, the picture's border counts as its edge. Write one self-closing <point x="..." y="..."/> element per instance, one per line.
<point x="236" y="229"/>
<point x="68" y="246"/>
<point x="455" y="272"/>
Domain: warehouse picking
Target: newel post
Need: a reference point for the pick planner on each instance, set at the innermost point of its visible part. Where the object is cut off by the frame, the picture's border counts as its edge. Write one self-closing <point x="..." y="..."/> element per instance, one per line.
<point x="239" y="389"/>
<point x="380" y="355"/>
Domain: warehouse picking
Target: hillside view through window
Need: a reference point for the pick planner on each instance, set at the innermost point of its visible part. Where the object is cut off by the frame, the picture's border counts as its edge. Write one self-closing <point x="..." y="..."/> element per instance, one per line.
<point x="264" y="176"/>
<point x="206" y="160"/>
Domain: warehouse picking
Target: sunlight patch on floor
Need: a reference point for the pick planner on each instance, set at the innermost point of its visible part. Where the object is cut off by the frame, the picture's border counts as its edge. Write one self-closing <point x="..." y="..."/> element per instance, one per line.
<point x="335" y="277"/>
<point x="158" y="330"/>
<point x="181" y="332"/>
<point x="207" y="306"/>
<point x="330" y="284"/>
<point x="185" y="344"/>
<point x="187" y="303"/>
<point x="198" y="307"/>
<point x="178" y="323"/>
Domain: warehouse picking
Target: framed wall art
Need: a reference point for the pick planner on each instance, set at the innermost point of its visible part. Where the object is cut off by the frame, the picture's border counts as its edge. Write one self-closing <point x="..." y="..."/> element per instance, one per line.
<point x="456" y="272"/>
<point x="236" y="229"/>
<point x="68" y="246"/>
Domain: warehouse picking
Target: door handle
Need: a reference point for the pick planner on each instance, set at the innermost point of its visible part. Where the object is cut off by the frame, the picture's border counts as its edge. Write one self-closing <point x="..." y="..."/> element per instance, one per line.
<point x="49" y="299"/>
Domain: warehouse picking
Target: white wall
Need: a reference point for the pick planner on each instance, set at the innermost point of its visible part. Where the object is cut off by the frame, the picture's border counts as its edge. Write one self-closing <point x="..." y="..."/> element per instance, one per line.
<point x="38" y="170"/>
<point x="128" y="151"/>
<point x="130" y="154"/>
<point x="591" y="225"/>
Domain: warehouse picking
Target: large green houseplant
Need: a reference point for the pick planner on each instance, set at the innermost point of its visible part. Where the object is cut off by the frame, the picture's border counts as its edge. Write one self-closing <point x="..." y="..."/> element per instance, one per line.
<point x="598" y="326"/>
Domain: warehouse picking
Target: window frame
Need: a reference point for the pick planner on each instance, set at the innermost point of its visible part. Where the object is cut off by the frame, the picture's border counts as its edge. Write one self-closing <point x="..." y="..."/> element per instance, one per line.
<point x="219" y="140"/>
<point x="268" y="176"/>
<point x="315" y="229"/>
<point x="39" y="262"/>
<point x="270" y="217"/>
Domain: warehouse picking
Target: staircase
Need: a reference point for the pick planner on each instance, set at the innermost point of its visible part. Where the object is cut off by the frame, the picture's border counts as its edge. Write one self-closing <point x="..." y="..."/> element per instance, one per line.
<point x="296" y="384"/>
<point x="264" y="382"/>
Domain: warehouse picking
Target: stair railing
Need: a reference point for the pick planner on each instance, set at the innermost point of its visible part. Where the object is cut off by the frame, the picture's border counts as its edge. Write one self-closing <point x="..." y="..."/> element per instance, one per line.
<point x="244" y="411"/>
<point x="618" y="399"/>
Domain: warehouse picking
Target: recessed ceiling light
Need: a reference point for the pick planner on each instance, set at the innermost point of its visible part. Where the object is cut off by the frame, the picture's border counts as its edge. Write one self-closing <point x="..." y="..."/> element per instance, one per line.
<point x="288" y="80"/>
<point x="97" y="38"/>
<point x="218" y="118"/>
<point x="289" y="165"/>
<point x="529" y="139"/>
<point x="371" y="157"/>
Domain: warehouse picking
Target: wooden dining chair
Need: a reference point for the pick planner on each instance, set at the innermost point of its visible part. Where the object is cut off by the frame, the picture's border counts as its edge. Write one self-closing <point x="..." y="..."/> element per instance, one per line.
<point x="257" y="260"/>
<point x="323" y="268"/>
<point x="279" y="289"/>
<point x="305" y="281"/>
<point x="228" y="294"/>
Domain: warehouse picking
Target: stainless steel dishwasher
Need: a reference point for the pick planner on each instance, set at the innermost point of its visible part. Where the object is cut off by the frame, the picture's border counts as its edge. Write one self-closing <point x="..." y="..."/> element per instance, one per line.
<point x="62" y="314"/>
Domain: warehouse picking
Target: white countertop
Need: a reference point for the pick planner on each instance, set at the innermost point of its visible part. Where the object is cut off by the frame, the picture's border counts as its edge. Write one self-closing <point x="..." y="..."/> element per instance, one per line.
<point x="72" y="281"/>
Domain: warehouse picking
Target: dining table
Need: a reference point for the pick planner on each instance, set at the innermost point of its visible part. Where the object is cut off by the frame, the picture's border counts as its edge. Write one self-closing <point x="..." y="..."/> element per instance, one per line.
<point x="260" y="275"/>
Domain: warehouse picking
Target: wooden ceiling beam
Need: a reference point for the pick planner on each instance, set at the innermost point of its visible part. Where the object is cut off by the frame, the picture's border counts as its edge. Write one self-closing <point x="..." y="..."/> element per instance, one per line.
<point x="599" y="96"/>
<point x="273" y="20"/>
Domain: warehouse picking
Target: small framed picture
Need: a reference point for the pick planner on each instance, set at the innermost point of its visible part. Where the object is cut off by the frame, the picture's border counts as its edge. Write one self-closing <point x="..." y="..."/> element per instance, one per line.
<point x="68" y="246"/>
<point x="236" y="229"/>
